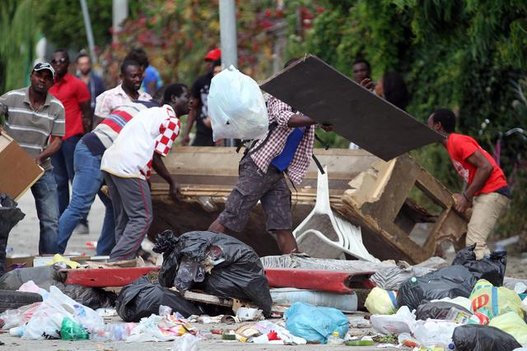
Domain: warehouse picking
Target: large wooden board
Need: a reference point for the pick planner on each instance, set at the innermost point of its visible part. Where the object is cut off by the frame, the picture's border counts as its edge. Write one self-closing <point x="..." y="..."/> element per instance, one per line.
<point x="324" y="94"/>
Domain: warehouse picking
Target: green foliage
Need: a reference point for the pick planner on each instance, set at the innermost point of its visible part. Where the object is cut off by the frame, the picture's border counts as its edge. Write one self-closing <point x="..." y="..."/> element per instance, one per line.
<point x="17" y="25"/>
<point x="461" y="55"/>
<point x="62" y="21"/>
<point x="63" y="24"/>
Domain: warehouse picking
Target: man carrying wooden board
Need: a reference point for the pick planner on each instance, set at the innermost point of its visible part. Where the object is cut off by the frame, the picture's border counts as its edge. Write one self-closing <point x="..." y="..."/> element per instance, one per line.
<point x="35" y="120"/>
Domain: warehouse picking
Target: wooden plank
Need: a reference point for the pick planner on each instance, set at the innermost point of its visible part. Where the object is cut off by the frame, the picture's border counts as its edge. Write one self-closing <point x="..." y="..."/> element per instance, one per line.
<point x="205" y="298"/>
<point x="324" y="94"/>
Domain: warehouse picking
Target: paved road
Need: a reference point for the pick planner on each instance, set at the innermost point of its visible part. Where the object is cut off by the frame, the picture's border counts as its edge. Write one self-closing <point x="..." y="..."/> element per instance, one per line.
<point x="23" y="239"/>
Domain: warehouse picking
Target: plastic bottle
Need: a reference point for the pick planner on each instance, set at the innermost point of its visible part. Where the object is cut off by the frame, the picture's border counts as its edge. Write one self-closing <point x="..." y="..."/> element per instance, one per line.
<point x="335" y="339"/>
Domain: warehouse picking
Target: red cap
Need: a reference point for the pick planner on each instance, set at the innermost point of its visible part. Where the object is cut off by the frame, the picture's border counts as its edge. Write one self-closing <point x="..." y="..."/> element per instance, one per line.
<point x="213" y="55"/>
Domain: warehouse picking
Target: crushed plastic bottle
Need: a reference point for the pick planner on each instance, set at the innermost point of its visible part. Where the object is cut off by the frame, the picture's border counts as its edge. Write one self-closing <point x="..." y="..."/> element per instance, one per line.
<point x="335" y="339"/>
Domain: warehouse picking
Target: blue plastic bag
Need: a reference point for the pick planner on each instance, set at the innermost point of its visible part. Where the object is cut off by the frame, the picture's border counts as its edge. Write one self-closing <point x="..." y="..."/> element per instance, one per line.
<point x="315" y="324"/>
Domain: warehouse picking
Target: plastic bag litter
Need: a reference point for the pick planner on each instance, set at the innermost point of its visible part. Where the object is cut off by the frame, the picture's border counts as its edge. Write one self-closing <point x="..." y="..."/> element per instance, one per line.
<point x="403" y="321"/>
<point x="434" y="332"/>
<point x="236" y="106"/>
<point x="20" y="316"/>
<point x="46" y="321"/>
<point x="442" y="310"/>
<point x="490" y="268"/>
<point x="493" y="301"/>
<point x="450" y="281"/>
<point x="71" y="330"/>
<point x="160" y="328"/>
<point x="513" y="324"/>
<point x="265" y="327"/>
<point x="380" y="301"/>
<point x="143" y="298"/>
<point x="482" y="338"/>
<point x="233" y="269"/>
<point x="187" y="342"/>
<point x="315" y="324"/>
<point x="46" y="276"/>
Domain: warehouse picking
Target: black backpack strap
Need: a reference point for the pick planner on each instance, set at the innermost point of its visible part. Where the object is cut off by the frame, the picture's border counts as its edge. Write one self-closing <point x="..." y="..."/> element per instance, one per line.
<point x="252" y="149"/>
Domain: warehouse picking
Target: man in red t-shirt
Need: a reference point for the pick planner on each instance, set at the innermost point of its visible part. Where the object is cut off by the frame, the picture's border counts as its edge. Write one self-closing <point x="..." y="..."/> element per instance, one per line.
<point x="75" y="97"/>
<point x="486" y="191"/>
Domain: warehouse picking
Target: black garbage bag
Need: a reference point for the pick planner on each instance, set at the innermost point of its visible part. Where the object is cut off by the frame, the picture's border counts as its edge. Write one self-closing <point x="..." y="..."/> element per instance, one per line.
<point x="228" y="267"/>
<point x="165" y="244"/>
<point x="490" y="268"/>
<point x="450" y="282"/>
<point x="94" y="298"/>
<point x="473" y="337"/>
<point x="143" y="298"/>
<point x="438" y="310"/>
<point x="10" y="215"/>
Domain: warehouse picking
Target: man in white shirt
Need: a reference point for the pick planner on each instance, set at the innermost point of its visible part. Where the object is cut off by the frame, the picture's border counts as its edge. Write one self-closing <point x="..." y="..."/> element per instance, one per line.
<point x="126" y="92"/>
<point x="127" y="165"/>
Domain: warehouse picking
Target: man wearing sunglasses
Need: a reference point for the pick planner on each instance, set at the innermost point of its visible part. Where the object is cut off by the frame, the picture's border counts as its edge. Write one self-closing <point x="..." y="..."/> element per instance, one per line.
<point x="75" y="97"/>
<point x="35" y="119"/>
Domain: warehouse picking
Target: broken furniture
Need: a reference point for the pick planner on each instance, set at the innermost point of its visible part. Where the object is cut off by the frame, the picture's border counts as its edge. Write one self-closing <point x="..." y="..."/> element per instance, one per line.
<point x="324" y="234"/>
<point x="19" y="170"/>
<point x="386" y="199"/>
<point x="207" y="175"/>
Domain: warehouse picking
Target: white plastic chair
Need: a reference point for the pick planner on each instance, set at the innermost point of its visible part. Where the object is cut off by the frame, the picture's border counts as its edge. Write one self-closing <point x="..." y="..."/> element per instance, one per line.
<point x="326" y="235"/>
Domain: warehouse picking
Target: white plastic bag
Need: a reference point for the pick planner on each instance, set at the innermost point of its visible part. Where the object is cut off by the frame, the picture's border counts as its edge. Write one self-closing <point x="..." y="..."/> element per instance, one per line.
<point x="401" y="322"/>
<point x="236" y="106"/>
<point x="187" y="342"/>
<point x="434" y="332"/>
<point x="47" y="320"/>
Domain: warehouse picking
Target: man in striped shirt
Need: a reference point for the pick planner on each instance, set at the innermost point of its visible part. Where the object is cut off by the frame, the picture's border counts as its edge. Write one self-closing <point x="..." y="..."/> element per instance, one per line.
<point x="35" y="119"/>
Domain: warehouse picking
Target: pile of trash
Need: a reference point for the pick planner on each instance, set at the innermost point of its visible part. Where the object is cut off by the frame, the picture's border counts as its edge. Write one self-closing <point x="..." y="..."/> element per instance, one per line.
<point x="431" y="306"/>
<point x="460" y="307"/>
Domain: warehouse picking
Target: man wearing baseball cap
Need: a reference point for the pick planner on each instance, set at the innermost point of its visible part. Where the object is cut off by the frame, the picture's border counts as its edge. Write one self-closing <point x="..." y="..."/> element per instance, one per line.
<point x="35" y="120"/>
<point x="199" y="107"/>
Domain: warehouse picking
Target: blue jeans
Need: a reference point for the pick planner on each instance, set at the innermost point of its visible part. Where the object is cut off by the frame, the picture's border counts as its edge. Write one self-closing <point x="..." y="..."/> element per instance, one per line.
<point x="86" y="184"/>
<point x="64" y="171"/>
<point x="45" y="194"/>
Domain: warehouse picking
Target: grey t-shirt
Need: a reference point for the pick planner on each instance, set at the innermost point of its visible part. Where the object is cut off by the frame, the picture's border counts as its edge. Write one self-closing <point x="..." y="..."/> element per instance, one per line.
<point x="32" y="128"/>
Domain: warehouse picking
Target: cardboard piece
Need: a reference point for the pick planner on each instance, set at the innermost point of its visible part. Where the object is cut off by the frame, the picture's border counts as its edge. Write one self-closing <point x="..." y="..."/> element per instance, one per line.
<point x="18" y="170"/>
<point x="319" y="91"/>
